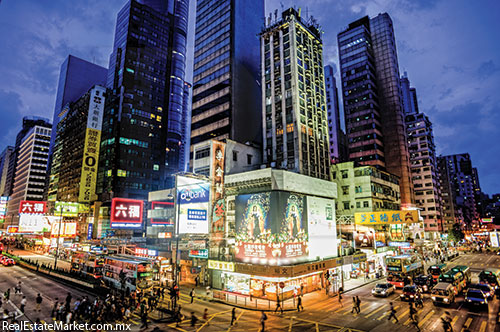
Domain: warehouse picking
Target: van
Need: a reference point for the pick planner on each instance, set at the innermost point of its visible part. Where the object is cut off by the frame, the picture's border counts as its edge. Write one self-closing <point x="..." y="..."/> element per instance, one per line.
<point x="443" y="293"/>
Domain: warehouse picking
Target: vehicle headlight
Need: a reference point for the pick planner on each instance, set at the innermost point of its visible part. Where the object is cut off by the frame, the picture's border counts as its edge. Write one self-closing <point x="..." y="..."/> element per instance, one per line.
<point x="433" y="298"/>
<point x="445" y="300"/>
<point x="469" y="300"/>
<point x="411" y="295"/>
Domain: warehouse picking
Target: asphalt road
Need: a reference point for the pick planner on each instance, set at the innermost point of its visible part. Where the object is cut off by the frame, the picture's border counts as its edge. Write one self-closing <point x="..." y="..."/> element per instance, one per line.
<point x="325" y="314"/>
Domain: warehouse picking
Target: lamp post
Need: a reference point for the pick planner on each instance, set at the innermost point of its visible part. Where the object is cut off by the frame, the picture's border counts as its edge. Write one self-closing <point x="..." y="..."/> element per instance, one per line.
<point x="58" y="237"/>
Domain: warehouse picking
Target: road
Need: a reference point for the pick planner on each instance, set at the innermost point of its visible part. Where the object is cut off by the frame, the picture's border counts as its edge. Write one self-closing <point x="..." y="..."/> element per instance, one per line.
<point x="325" y="314"/>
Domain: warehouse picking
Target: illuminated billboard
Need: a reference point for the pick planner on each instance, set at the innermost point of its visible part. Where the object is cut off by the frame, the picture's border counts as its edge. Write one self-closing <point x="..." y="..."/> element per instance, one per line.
<point x="271" y="228"/>
<point x="33" y="223"/>
<point x="218" y="204"/>
<point x="386" y="217"/>
<point x="163" y="220"/>
<point x="32" y="207"/>
<point x="126" y="213"/>
<point x="494" y="239"/>
<point x="193" y="199"/>
<point x="3" y="207"/>
<point x="64" y="229"/>
<point x="364" y="240"/>
<point x="322" y="228"/>
<point x="67" y="209"/>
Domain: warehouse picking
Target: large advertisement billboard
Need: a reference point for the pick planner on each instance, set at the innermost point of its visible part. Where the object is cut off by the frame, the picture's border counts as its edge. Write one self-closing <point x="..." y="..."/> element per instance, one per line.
<point x="167" y="215"/>
<point x="3" y="207"/>
<point x="271" y="228"/>
<point x="35" y="223"/>
<point x="321" y="227"/>
<point x="193" y="200"/>
<point x="64" y="229"/>
<point x="126" y="213"/>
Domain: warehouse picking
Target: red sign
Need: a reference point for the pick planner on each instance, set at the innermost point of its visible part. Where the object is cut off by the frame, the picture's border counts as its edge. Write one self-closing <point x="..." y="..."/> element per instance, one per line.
<point x="165" y="235"/>
<point x="282" y="284"/>
<point x="33" y="207"/>
<point x="126" y="213"/>
<point x="12" y="229"/>
<point x="163" y="206"/>
<point x="217" y="190"/>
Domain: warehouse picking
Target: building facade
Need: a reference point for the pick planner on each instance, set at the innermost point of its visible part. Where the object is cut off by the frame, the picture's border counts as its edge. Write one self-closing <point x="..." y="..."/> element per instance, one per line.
<point x="142" y="127"/>
<point x="373" y="99"/>
<point x="226" y="93"/>
<point x="186" y="125"/>
<point x="295" y="122"/>
<point x="450" y="212"/>
<point x="5" y="157"/>
<point x="338" y="143"/>
<point x="31" y="166"/>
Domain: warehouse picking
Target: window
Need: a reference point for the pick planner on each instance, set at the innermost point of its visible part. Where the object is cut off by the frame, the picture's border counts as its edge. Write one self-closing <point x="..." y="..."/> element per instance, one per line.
<point x="235" y="155"/>
<point x="249" y="159"/>
<point x="358" y="189"/>
<point x="345" y="174"/>
<point x="346" y="205"/>
<point x="366" y="204"/>
<point x="358" y="205"/>
<point x="345" y="190"/>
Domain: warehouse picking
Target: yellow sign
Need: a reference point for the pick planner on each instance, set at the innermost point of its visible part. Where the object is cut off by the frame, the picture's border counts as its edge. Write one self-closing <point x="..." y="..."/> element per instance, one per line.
<point x="386" y="217"/>
<point x="218" y="265"/>
<point x="88" y="178"/>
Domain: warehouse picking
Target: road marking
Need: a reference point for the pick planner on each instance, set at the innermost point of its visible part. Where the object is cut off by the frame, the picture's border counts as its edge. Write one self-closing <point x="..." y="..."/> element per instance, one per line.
<point x="483" y="326"/>
<point x="467" y="324"/>
<point x="229" y="329"/>
<point x="387" y="313"/>
<point x="374" y="312"/>
<point x="403" y="314"/>
<point x="206" y="323"/>
<point x="409" y="319"/>
<point x="454" y="320"/>
<point x="426" y="318"/>
<point x="355" y="314"/>
<point x="291" y="324"/>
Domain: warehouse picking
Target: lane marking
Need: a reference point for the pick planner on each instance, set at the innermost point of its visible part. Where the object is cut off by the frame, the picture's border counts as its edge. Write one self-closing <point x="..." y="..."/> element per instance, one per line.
<point x="467" y="324"/>
<point x="355" y="314"/>
<point x="403" y="314"/>
<point x="291" y="324"/>
<point x="454" y="320"/>
<point x="374" y="311"/>
<point x="483" y="326"/>
<point x="235" y="322"/>
<point x="426" y="318"/>
<point x="387" y="313"/>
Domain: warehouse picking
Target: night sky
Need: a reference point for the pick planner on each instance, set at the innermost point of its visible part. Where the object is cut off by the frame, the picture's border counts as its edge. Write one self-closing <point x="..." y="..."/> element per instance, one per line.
<point x="450" y="50"/>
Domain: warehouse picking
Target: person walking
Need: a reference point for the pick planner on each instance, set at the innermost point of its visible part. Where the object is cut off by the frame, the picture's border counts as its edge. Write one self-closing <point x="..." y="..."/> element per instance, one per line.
<point x="299" y="304"/>
<point x="278" y="304"/>
<point x="205" y="316"/>
<point x="54" y="309"/>
<point x="263" y="318"/>
<point x="358" y="305"/>
<point x="38" y="301"/>
<point x="393" y="313"/>
<point x="354" y="305"/>
<point x="194" y="319"/>
<point x="414" y="321"/>
<point x="23" y="304"/>
<point x="340" y="298"/>
<point x="6" y="295"/>
<point x="233" y="316"/>
<point x="192" y="295"/>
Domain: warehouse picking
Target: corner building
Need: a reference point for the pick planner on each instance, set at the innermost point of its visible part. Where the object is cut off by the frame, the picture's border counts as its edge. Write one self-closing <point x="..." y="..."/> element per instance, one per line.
<point x="142" y="127"/>
<point x="373" y="99"/>
<point x="294" y="104"/>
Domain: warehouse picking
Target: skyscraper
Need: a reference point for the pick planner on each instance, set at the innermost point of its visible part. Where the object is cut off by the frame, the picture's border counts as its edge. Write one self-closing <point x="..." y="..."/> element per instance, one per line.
<point x="32" y="146"/>
<point x="338" y="147"/>
<point x="142" y="127"/>
<point x="294" y="102"/>
<point x="424" y="169"/>
<point x="226" y="92"/>
<point x="5" y="157"/>
<point x="373" y="99"/>
<point x="186" y="127"/>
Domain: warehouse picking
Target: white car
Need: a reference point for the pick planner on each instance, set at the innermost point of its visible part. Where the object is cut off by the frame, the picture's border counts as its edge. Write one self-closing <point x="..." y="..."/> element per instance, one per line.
<point x="383" y="289"/>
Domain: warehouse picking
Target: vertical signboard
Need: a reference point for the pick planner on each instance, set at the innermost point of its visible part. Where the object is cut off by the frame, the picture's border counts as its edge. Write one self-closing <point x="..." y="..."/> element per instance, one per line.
<point x="92" y="142"/>
<point x="218" y="205"/>
<point x="126" y="213"/>
<point x="192" y="205"/>
<point x="3" y="207"/>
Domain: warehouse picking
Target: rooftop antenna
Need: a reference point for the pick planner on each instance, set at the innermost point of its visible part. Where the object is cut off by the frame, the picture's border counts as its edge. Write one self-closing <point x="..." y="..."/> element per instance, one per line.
<point x="276" y="14"/>
<point x="281" y="4"/>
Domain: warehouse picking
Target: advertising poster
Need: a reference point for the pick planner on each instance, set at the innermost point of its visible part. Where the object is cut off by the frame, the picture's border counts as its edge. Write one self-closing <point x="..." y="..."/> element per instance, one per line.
<point x="67" y="209"/>
<point x="193" y="199"/>
<point x="34" y="223"/>
<point x="218" y="205"/>
<point x="363" y="239"/>
<point x="126" y="213"/>
<point x="494" y="239"/>
<point x="170" y="210"/>
<point x="271" y="228"/>
<point x="322" y="228"/>
<point x="64" y="229"/>
<point x="3" y="207"/>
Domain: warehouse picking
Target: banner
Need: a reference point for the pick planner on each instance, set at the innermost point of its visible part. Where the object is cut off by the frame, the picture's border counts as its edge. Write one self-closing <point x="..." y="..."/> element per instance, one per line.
<point x="33" y="223"/>
<point x="322" y="228"/>
<point x="193" y="199"/>
<point x="3" y="207"/>
<point x="169" y="210"/>
<point x="386" y="217"/>
<point x="218" y="205"/>
<point x="88" y="178"/>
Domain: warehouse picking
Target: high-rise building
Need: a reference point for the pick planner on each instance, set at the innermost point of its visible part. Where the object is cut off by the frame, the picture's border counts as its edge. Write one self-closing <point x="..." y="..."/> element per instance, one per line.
<point x="5" y="157"/>
<point x="295" y="122"/>
<point x="372" y="99"/>
<point x="338" y="143"/>
<point x="186" y="127"/>
<point x="31" y="163"/>
<point x="451" y="214"/>
<point x="76" y="149"/>
<point x="142" y="126"/>
<point x="461" y="178"/>
<point x="226" y="92"/>
<point x="423" y="163"/>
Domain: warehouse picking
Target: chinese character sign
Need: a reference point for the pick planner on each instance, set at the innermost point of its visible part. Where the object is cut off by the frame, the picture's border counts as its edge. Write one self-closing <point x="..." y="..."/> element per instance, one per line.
<point x="88" y="178"/>
<point x="217" y="191"/>
<point x="67" y="209"/>
<point x="3" y="207"/>
<point x="386" y="217"/>
<point x="32" y="207"/>
<point x="126" y="213"/>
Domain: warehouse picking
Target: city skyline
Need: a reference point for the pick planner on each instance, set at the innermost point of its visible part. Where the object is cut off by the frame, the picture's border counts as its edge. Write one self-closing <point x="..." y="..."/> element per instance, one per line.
<point x="454" y="71"/>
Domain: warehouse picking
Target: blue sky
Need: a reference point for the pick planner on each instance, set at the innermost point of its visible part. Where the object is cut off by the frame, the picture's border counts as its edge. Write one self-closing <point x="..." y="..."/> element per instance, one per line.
<point x="450" y="50"/>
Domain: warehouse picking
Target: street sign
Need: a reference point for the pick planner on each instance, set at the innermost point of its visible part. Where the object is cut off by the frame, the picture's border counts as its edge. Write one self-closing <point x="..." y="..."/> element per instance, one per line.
<point x="282" y="284"/>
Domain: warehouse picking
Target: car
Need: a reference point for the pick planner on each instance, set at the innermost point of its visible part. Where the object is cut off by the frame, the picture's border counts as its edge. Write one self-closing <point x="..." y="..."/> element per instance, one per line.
<point x="487" y="289"/>
<point x="384" y="289"/>
<point x="411" y="293"/>
<point x="443" y="294"/>
<point x="6" y="261"/>
<point x="476" y="297"/>
<point x="425" y="282"/>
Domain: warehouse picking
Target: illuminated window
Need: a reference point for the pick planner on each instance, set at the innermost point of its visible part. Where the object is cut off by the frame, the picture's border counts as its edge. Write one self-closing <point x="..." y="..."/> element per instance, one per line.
<point x="122" y="173"/>
<point x="156" y="167"/>
<point x="289" y="128"/>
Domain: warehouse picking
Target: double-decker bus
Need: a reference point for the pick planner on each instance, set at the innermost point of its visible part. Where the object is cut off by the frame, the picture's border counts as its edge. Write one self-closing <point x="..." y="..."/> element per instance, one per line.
<point x="87" y="263"/>
<point x="402" y="269"/>
<point x="128" y="272"/>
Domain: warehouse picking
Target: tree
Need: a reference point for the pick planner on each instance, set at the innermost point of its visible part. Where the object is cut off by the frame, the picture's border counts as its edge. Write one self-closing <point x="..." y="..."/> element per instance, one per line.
<point x="456" y="234"/>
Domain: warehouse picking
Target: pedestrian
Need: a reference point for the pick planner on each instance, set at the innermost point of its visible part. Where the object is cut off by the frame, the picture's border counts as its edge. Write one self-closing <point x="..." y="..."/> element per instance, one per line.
<point x="144" y="320"/>
<point x="358" y="305"/>
<point x="69" y="317"/>
<point x="392" y="313"/>
<point x="205" y="316"/>
<point x="340" y="298"/>
<point x="414" y="321"/>
<point x="233" y="316"/>
<point x="278" y="305"/>
<point x="299" y="304"/>
<point x="178" y="316"/>
<point x="192" y="295"/>
<point x="54" y="309"/>
<point x="127" y="314"/>
<point x="38" y="301"/>
<point x="23" y="304"/>
<point x="197" y="281"/>
<point x="354" y="305"/>
<point x="194" y="319"/>
<point x="263" y="318"/>
<point x="413" y="311"/>
<point x="6" y="295"/>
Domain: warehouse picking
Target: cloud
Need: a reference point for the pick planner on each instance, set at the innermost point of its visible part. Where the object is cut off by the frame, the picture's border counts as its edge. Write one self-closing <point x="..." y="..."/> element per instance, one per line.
<point x="10" y="108"/>
<point x="486" y="69"/>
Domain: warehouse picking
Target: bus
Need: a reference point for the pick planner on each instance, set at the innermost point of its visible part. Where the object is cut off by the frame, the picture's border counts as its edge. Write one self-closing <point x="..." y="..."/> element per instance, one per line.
<point x="491" y="277"/>
<point x="88" y="264"/>
<point x="436" y="270"/>
<point x="128" y="272"/>
<point x="456" y="278"/>
<point x="402" y="269"/>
